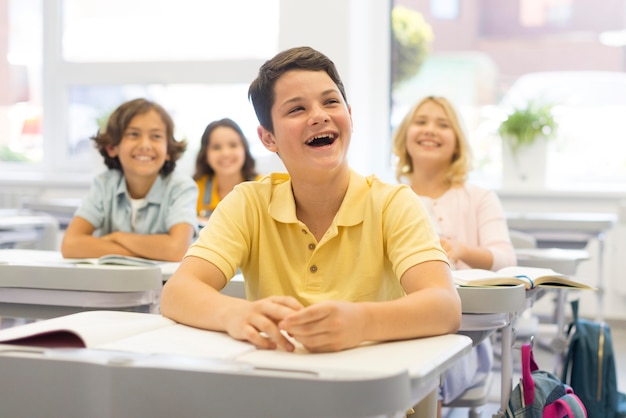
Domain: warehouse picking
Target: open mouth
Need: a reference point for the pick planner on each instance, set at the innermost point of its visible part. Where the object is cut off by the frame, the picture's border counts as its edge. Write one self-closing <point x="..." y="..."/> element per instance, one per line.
<point x="143" y="158"/>
<point x="428" y="143"/>
<point x="322" y="140"/>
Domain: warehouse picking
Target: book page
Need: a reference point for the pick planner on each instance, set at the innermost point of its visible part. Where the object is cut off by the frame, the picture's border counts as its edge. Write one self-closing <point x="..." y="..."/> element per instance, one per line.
<point x="480" y="277"/>
<point x="544" y="277"/>
<point x="85" y="329"/>
<point x="182" y="340"/>
<point x="126" y="260"/>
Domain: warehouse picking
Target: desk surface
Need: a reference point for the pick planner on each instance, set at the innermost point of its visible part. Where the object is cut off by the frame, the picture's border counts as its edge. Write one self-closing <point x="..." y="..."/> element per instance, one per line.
<point x="38" y="257"/>
<point x="26" y="228"/>
<point x="61" y="209"/>
<point x="568" y="221"/>
<point x="371" y="380"/>
<point x="13" y="221"/>
<point x="37" y="284"/>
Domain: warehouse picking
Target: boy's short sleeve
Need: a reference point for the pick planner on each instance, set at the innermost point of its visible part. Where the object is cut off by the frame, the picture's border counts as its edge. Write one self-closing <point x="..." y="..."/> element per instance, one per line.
<point x="181" y="199"/>
<point x="92" y="206"/>
<point x="410" y="236"/>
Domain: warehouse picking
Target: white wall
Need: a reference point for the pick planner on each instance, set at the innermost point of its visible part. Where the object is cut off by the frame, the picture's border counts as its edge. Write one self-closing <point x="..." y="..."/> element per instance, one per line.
<point x="354" y="36"/>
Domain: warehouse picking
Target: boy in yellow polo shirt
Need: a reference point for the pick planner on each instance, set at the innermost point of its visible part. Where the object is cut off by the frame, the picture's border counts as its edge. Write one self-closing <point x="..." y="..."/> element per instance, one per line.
<point x="330" y="257"/>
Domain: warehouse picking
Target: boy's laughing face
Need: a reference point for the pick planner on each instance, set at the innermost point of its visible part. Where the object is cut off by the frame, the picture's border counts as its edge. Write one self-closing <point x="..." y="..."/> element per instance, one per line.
<point x="312" y="124"/>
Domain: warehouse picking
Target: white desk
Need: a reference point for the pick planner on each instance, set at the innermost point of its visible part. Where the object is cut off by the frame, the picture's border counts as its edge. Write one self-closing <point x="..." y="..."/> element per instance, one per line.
<point x="30" y="256"/>
<point x="44" y="291"/>
<point x="568" y="231"/>
<point x="486" y="309"/>
<point x="26" y="229"/>
<point x="371" y="380"/>
<point x="36" y="284"/>
<point x="61" y="209"/>
<point x="564" y="261"/>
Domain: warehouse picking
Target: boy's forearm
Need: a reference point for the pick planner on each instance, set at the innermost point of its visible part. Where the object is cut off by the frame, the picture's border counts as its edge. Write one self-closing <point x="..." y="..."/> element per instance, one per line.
<point x="88" y="246"/>
<point x="428" y="312"/>
<point x="203" y="307"/>
<point x="153" y="246"/>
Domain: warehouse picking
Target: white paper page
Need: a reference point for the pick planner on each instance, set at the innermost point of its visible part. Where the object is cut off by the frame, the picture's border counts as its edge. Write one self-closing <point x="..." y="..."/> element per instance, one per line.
<point x="368" y="358"/>
<point x="94" y="327"/>
<point x="182" y="340"/>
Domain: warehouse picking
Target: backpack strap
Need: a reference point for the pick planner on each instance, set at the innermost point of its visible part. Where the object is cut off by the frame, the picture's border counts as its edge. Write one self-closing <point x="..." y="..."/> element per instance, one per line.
<point x="566" y="406"/>
<point x="529" y="365"/>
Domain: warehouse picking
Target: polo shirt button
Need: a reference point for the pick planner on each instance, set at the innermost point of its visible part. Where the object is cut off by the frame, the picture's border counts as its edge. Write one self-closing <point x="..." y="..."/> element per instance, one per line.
<point x="313" y="268"/>
<point x="311" y="247"/>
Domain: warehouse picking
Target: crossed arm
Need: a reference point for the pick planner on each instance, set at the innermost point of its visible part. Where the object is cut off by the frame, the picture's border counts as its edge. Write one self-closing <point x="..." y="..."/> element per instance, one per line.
<point x="431" y="307"/>
<point x="79" y="242"/>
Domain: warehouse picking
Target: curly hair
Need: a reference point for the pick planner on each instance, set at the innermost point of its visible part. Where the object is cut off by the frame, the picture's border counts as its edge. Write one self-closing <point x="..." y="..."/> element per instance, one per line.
<point x="118" y="123"/>
<point x="461" y="163"/>
<point x="261" y="92"/>
<point x="248" y="169"/>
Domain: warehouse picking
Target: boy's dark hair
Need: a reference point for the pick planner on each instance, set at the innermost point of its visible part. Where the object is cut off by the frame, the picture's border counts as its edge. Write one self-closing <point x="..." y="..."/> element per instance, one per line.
<point x="202" y="166"/>
<point x="117" y="124"/>
<point x="261" y="91"/>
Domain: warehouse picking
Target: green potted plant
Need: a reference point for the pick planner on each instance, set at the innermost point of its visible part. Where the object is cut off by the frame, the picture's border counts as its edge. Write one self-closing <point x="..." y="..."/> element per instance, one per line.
<point x="525" y="125"/>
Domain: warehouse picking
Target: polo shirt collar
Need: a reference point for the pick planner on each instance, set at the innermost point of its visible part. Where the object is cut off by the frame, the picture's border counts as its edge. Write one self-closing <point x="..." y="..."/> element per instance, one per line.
<point x="154" y="195"/>
<point x="285" y="208"/>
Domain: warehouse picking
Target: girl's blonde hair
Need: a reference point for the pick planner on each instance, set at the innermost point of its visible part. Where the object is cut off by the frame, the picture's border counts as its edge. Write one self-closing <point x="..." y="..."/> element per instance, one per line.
<point x="461" y="163"/>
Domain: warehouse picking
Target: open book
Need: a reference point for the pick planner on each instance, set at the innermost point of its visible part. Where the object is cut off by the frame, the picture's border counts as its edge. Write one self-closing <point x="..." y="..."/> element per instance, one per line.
<point x="124" y="331"/>
<point x="530" y="277"/>
<point x="122" y="260"/>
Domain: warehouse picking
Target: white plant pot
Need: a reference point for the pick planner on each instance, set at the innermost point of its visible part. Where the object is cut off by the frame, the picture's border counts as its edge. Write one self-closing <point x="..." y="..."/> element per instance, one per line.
<point x="526" y="169"/>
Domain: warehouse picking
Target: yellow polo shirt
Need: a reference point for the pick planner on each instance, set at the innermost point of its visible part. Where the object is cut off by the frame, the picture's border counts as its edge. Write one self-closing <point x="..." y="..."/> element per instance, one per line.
<point x="379" y="232"/>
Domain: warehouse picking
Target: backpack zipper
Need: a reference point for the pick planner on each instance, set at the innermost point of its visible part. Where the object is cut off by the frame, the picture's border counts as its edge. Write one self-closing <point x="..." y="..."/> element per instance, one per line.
<point x="600" y="358"/>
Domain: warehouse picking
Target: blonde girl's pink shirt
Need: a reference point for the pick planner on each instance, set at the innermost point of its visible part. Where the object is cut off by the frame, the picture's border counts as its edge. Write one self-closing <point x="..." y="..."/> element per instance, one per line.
<point x="473" y="215"/>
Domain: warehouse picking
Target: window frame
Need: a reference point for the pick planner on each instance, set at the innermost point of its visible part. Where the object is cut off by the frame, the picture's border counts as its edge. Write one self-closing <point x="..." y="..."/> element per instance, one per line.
<point x="360" y="38"/>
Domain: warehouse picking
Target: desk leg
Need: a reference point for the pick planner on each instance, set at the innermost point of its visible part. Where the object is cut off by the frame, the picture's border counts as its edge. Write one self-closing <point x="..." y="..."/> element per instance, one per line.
<point x="506" y="383"/>
<point x="427" y="407"/>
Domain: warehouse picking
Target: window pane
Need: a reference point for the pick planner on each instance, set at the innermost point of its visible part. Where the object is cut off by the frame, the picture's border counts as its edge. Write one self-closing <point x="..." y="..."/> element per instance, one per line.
<point x="191" y="106"/>
<point x="169" y="30"/>
<point x="444" y="9"/>
<point x="20" y="81"/>
<point x="480" y="60"/>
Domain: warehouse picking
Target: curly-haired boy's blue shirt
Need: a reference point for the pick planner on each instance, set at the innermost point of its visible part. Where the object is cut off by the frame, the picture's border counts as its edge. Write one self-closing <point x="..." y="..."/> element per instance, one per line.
<point x="170" y="201"/>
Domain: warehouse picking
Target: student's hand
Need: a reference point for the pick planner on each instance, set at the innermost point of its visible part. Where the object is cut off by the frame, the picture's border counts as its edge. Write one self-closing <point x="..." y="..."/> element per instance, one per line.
<point x="327" y="326"/>
<point x="110" y="237"/>
<point x="257" y="322"/>
<point x="454" y="249"/>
